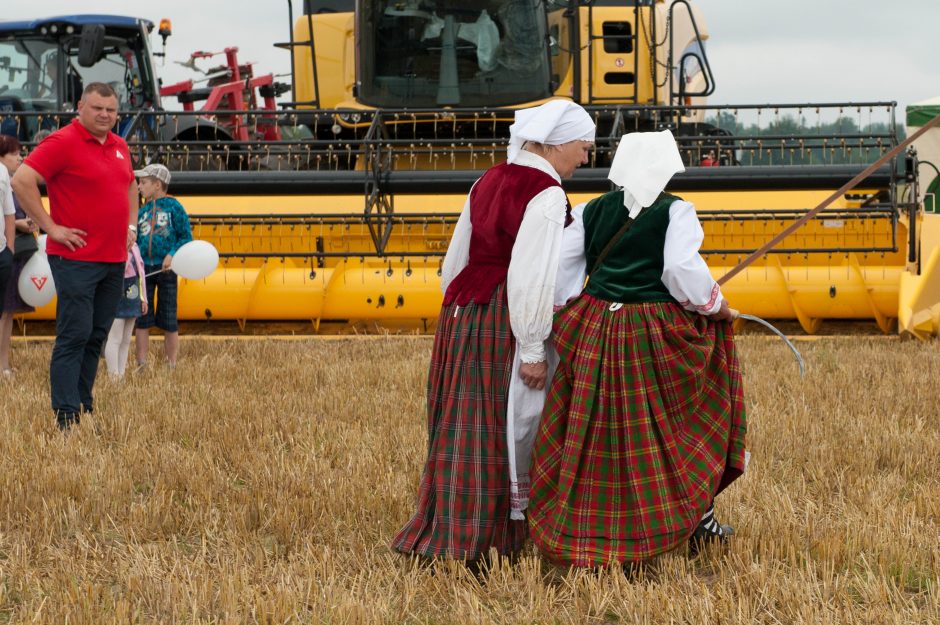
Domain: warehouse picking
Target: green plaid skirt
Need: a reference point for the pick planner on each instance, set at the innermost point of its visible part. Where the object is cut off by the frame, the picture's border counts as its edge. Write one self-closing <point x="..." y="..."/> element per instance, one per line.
<point x="643" y="425"/>
<point x="463" y="498"/>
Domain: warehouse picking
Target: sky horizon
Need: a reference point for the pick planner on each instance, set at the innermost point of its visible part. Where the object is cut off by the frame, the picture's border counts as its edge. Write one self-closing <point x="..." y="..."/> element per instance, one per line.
<point x="760" y="52"/>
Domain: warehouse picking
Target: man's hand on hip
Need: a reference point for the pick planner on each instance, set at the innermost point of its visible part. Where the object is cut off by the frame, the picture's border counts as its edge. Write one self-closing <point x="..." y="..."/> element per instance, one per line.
<point x="72" y="238"/>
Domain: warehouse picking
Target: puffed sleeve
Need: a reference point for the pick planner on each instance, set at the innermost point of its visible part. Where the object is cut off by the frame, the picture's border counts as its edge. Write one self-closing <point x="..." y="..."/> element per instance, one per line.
<point x="685" y="273"/>
<point x="572" y="265"/>
<point x="530" y="284"/>
<point x="458" y="250"/>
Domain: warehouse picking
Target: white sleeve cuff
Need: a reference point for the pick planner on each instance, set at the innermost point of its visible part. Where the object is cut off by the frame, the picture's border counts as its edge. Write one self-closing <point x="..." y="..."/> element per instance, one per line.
<point x="531" y="353"/>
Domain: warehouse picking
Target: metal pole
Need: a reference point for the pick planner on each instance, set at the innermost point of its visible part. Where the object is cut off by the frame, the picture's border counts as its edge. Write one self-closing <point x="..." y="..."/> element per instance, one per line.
<point x="293" y="68"/>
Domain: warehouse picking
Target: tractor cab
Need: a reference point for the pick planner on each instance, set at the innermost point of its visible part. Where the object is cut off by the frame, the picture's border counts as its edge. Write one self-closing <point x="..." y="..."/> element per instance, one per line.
<point x="45" y="64"/>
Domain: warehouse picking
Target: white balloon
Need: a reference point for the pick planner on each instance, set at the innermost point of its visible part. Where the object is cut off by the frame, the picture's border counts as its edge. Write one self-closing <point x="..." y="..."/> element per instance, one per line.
<point x="195" y="260"/>
<point x="36" y="286"/>
<point x="41" y="242"/>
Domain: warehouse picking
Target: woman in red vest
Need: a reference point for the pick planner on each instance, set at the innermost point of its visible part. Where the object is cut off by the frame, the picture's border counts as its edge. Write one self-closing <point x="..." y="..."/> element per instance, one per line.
<point x="489" y="365"/>
<point x="644" y="422"/>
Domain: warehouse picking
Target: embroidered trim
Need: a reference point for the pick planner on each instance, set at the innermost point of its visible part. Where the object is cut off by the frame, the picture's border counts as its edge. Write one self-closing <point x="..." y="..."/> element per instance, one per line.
<point x="706" y="307"/>
<point x="711" y="302"/>
<point x="519" y="493"/>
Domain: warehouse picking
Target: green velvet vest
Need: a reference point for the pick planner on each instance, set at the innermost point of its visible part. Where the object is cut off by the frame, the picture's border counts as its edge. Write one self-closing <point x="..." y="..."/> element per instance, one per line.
<point x="633" y="269"/>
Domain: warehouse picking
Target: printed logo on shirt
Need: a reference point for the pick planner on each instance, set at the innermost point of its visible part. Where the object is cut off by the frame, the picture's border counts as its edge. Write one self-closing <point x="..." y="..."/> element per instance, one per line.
<point x="160" y="223"/>
<point x="118" y="154"/>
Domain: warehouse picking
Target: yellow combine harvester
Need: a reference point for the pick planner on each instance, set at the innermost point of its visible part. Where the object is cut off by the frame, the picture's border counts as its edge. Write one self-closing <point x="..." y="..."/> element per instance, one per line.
<point x="400" y="104"/>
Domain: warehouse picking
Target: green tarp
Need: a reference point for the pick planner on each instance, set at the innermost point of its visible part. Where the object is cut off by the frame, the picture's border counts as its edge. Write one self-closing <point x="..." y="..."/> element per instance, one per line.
<point x="920" y="113"/>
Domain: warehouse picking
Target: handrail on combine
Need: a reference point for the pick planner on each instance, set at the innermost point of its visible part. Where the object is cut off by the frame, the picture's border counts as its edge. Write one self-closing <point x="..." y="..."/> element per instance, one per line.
<point x="290" y="46"/>
<point x="678" y="99"/>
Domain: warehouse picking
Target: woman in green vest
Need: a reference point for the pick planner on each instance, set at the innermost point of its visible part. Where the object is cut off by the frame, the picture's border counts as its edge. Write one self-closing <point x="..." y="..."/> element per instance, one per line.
<point x="644" y="421"/>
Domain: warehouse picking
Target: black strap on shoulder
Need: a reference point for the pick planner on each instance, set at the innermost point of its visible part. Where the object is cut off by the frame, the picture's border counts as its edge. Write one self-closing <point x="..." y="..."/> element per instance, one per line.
<point x="613" y="241"/>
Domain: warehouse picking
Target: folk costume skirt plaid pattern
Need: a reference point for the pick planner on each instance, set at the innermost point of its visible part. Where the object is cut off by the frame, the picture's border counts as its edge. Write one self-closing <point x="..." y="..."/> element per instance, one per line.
<point x="643" y="425"/>
<point x="463" y="499"/>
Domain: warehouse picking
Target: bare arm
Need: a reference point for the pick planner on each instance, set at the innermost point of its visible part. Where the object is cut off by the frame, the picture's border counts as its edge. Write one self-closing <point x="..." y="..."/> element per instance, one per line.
<point x="9" y="229"/>
<point x="133" y="206"/>
<point x="26" y="183"/>
<point x="25" y="225"/>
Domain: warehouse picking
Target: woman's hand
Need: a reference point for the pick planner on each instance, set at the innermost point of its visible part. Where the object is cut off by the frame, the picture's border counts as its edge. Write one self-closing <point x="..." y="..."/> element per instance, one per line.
<point x="725" y="313"/>
<point x="143" y="307"/>
<point x="167" y="261"/>
<point x="533" y="374"/>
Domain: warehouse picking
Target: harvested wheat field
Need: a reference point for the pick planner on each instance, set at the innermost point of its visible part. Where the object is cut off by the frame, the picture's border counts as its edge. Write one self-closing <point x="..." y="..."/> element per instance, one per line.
<point x="261" y="482"/>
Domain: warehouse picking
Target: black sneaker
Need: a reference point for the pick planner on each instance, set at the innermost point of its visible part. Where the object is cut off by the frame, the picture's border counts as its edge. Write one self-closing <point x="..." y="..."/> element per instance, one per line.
<point x="709" y="530"/>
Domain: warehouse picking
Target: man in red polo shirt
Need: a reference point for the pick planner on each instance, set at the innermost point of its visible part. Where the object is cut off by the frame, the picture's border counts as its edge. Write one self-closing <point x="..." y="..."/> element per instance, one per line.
<point x="91" y="224"/>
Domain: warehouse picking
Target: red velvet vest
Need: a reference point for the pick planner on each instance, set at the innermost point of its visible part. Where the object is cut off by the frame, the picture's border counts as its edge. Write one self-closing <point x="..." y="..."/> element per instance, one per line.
<point x="497" y="206"/>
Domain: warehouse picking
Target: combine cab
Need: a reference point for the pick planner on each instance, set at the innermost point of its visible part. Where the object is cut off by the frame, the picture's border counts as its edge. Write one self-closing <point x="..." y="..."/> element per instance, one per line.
<point x="388" y="54"/>
<point x="399" y="106"/>
<point x="423" y="61"/>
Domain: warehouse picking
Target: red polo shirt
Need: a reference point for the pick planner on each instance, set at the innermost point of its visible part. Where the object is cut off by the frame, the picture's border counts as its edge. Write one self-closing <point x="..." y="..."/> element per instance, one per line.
<point x="87" y="182"/>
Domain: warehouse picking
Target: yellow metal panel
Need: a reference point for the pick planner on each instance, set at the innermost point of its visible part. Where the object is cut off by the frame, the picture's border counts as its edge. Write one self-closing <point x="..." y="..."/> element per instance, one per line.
<point x="333" y="37"/>
<point x="323" y="204"/>
<point x="604" y="62"/>
<point x="285" y="291"/>
<point x="372" y="292"/>
<point x="920" y="300"/>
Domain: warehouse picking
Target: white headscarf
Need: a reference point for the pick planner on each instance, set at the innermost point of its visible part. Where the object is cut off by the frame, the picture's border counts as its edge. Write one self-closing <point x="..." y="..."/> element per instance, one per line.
<point x="552" y="123"/>
<point x="643" y="165"/>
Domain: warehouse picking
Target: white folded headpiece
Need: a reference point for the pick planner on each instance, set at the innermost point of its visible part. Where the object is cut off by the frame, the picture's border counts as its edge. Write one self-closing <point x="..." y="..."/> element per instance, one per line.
<point x="552" y="123"/>
<point x="644" y="163"/>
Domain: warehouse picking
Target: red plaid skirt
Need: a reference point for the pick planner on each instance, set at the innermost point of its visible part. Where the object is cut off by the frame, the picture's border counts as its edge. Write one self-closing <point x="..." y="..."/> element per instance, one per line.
<point x="643" y="425"/>
<point x="463" y="498"/>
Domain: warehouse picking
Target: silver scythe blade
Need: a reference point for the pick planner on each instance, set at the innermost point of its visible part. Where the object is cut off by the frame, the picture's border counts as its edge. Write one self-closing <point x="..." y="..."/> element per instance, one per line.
<point x="799" y="358"/>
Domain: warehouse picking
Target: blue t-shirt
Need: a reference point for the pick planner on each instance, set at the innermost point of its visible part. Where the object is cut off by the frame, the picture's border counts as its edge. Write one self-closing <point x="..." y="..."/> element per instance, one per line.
<point x="162" y="228"/>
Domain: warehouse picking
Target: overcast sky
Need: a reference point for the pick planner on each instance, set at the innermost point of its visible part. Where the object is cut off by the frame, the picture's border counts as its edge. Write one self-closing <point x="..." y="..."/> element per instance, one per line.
<point x="760" y="51"/>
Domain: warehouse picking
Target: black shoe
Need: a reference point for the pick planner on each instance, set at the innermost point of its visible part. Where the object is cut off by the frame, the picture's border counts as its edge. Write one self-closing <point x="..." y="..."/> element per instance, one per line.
<point x="636" y="571"/>
<point x="65" y="420"/>
<point x="709" y="530"/>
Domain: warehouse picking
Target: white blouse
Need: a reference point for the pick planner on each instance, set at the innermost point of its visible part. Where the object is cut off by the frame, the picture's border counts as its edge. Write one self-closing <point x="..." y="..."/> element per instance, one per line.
<point x="685" y="274"/>
<point x="530" y="284"/>
<point x="6" y="202"/>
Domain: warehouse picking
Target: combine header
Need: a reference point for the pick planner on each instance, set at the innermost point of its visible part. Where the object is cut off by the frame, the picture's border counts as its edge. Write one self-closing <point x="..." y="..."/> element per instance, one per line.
<point x="399" y="106"/>
<point x="375" y="256"/>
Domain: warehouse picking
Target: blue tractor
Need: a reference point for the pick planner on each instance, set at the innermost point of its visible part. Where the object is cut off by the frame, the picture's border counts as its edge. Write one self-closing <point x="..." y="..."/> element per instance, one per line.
<point x="45" y="63"/>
